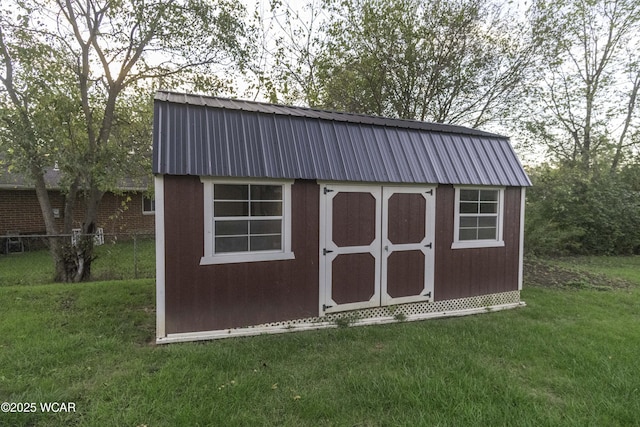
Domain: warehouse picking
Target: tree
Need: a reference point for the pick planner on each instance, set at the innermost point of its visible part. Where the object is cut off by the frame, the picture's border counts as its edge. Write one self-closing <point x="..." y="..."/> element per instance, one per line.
<point x="569" y="212"/>
<point x="76" y="78"/>
<point x="585" y="99"/>
<point x="287" y="41"/>
<point x="445" y="61"/>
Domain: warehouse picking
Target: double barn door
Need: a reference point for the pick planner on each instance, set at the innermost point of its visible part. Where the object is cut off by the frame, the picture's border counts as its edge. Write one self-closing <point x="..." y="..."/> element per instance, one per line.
<point x="376" y="244"/>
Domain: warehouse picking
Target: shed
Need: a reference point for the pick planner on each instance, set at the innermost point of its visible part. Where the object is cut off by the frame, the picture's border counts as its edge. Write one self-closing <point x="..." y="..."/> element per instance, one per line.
<point x="274" y="218"/>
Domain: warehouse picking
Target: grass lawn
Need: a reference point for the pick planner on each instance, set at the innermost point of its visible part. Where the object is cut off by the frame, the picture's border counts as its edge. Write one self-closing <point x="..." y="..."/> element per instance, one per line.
<point x="570" y="358"/>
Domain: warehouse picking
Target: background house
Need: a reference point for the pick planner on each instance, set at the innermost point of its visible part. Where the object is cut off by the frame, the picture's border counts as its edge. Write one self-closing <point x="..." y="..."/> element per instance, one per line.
<point x="272" y="218"/>
<point x="129" y="210"/>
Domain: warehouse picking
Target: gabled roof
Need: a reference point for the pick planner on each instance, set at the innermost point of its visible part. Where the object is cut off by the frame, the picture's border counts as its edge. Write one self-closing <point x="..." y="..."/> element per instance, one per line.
<point x="206" y="136"/>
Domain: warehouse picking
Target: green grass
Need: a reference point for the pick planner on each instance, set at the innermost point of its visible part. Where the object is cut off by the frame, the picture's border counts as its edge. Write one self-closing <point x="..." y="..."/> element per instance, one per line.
<point x="26" y="268"/>
<point x="121" y="260"/>
<point x="570" y="358"/>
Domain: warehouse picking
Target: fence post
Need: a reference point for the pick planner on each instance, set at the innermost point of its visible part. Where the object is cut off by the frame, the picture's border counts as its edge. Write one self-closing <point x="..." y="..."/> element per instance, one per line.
<point x="135" y="255"/>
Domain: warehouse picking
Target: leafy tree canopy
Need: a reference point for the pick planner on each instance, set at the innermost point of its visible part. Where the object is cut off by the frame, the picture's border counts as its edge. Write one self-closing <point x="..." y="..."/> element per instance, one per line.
<point x="583" y="104"/>
<point x="77" y="79"/>
<point x="460" y="61"/>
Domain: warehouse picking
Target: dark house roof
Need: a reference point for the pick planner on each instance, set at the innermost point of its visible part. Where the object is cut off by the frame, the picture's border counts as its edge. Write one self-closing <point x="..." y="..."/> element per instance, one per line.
<point x="11" y="180"/>
<point x="206" y="136"/>
<point x="17" y="181"/>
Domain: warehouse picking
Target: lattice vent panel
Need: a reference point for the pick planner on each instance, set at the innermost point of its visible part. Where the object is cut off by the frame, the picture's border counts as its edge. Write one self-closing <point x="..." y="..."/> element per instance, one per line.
<point x="407" y="310"/>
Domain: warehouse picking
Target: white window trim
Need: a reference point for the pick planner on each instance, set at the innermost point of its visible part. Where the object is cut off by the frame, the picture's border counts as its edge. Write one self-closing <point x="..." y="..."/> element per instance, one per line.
<point x="145" y="212"/>
<point x="210" y="257"/>
<point x="487" y="243"/>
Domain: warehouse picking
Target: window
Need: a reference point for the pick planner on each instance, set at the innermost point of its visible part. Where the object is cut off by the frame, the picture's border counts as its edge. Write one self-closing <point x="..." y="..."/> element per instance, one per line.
<point x="478" y="218"/>
<point x="247" y="222"/>
<point x="247" y="218"/>
<point x="148" y="205"/>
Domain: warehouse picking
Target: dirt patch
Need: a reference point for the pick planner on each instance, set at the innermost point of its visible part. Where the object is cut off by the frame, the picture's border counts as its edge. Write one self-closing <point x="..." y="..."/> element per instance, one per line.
<point x="539" y="272"/>
<point x="67" y="303"/>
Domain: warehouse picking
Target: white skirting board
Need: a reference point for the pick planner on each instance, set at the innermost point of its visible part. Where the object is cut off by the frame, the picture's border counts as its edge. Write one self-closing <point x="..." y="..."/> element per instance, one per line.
<point x="376" y="316"/>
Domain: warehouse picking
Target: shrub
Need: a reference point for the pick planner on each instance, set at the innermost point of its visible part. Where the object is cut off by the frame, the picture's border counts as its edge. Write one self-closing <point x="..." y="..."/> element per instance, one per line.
<point x="573" y="212"/>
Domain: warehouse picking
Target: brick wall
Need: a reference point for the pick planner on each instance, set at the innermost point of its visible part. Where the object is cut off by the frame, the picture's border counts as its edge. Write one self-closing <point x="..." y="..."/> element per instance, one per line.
<point x="123" y="214"/>
<point x="20" y="211"/>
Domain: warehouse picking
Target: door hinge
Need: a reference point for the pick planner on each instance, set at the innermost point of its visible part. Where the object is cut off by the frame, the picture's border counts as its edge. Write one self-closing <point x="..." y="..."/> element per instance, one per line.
<point x="430" y="245"/>
<point x="428" y="294"/>
<point x="325" y="307"/>
<point x="326" y="251"/>
<point x="328" y="190"/>
<point x="430" y="192"/>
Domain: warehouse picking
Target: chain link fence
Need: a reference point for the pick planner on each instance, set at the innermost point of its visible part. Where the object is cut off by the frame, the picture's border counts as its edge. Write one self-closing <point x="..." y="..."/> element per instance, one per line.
<point x="25" y="258"/>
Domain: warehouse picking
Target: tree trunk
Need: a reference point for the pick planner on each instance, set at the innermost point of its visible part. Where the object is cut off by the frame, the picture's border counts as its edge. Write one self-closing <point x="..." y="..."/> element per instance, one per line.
<point x="56" y="244"/>
<point x="72" y="260"/>
<point x="79" y="256"/>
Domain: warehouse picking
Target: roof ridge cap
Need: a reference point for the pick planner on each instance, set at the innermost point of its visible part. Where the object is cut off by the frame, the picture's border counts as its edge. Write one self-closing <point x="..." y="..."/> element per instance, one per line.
<point x="164" y="95"/>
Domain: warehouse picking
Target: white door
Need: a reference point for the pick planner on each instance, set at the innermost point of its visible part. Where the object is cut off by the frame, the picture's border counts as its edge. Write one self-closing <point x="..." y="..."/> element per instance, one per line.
<point x="350" y="247"/>
<point x="376" y="246"/>
<point x="408" y="227"/>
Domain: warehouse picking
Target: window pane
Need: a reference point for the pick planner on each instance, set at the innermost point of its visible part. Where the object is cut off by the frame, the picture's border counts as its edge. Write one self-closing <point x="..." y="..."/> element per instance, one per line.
<point x="488" y="207"/>
<point x="489" y="195"/>
<point x="266" y="243"/>
<point x="487" y="233"/>
<point x="266" y="192"/>
<point x="487" y="221"/>
<point x="148" y="205"/>
<point x="469" y="221"/>
<point x="469" y="195"/>
<point x="230" y="192"/>
<point x="231" y="228"/>
<point x="479" y="214"/>
<point x="266" y="208"/>
<point x="230" y="209"/>
<point x="266" y="227"/>
<point x="468" y="234"/>
<point x="231" y="244"/>
<point x="468" y="208"/>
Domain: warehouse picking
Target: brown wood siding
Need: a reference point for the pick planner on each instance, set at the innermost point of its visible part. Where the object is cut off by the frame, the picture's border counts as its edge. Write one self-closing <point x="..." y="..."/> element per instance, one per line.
<point x="463" y="273"/>
<point x="214" y="297"/>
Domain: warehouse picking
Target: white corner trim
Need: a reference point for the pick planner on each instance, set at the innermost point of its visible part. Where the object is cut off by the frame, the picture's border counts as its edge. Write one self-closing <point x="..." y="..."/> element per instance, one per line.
<point x="523" y="196"/>
<point x="160" y="258"/>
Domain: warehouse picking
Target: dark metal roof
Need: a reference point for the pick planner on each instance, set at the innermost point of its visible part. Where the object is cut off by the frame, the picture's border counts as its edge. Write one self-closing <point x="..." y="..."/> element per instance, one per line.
<point x="206" y="136"/>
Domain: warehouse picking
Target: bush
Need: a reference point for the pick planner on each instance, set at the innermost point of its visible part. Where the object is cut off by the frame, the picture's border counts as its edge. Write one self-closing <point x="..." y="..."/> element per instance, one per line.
<point x="572" y="212"/>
